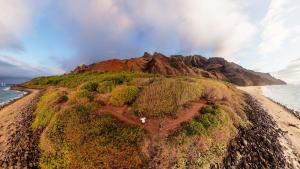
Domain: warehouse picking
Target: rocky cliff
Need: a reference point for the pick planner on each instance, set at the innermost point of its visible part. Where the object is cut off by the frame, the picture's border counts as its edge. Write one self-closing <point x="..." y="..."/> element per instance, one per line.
<point x="178" y="65"/>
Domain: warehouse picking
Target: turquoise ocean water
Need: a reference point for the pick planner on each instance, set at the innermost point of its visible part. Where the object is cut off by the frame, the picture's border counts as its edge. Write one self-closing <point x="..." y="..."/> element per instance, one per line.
<point x="7" y="95"/>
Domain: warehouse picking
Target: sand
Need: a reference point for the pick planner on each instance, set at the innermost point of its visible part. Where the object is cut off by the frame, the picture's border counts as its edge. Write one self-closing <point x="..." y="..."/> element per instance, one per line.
<point x="285" y="120"/>
<point x="10" y="118"/>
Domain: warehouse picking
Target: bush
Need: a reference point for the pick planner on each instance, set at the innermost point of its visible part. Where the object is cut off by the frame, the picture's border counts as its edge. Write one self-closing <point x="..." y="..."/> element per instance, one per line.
<point x="165" y="97"/>
<point x="210" y="110"/>
<point x="123" y="95"/>
<point x="209" y="116"/>
<point x="212" y="95"/>
<point x="90" y="86"/>
<point x="208" y="120"/>
<point x="106" y="87"/>
<point x="203" y="123"/>
<point x="62" y="99"/>
<point x="85" y="94"/>
<point x="193" y="128"/>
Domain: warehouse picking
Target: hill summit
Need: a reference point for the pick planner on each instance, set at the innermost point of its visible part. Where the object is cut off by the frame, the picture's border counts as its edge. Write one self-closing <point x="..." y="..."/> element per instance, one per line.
<point x="178" y="65"/>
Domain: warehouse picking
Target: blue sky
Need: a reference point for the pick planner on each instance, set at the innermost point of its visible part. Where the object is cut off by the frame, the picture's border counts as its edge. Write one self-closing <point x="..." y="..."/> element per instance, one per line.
<point x="51" y="37"/>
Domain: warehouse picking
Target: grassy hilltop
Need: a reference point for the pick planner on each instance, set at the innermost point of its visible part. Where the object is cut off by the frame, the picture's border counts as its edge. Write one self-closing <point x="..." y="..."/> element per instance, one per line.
<point x="90" y="120"/>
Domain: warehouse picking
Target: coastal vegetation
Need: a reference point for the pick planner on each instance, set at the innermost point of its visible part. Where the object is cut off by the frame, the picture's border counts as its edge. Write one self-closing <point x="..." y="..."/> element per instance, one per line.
<point x="77" y="132"/>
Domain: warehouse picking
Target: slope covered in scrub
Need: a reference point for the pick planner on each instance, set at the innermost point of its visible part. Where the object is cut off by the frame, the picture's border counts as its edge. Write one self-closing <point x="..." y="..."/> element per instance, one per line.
<point x="91" y="120"/>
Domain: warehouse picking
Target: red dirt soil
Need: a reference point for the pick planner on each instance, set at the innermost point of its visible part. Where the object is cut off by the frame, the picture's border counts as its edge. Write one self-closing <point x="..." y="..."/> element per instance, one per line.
<point x="126" y="115"/>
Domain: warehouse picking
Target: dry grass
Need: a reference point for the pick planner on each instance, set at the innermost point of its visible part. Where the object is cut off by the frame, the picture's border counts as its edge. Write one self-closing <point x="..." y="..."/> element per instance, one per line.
<point x="165" y="97"/>
<point x="76" y="136"/>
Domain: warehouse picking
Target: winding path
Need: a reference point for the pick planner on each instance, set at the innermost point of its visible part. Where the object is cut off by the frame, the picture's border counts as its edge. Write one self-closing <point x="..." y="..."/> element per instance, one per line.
<point x="152" y="125"/>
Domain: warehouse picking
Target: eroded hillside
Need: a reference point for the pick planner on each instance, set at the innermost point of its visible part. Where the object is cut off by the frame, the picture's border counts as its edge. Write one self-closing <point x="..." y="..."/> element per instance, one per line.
<point x="92" y="120"/>
<point x="178" y="65"/>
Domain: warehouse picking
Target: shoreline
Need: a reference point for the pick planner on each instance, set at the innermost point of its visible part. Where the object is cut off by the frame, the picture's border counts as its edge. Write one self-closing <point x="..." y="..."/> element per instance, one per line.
<point x="256" y="145"/>
<point x="285" y="119"/>
<point x="18" y="143"/>
<point x="25" y="91"/>
<point x="292" y="111"/>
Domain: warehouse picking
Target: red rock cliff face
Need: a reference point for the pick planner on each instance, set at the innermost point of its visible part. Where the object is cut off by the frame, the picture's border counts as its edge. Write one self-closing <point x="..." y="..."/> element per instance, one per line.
<point x="177" y="65"/>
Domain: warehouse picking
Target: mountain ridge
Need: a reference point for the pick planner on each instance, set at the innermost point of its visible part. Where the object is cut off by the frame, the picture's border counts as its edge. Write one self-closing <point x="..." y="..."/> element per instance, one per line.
<point x="179" y="65"/>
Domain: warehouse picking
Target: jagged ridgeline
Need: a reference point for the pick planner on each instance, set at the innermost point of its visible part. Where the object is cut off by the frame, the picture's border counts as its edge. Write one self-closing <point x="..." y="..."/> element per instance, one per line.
<point x="178" y="65"/>
<point x="92" y="120"/>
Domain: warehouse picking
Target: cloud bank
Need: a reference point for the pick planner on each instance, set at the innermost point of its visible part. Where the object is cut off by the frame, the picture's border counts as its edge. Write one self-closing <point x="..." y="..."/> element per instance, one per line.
<point x="114" y="28"/>
<point x="13" y="68"/>
<point x="274" y="28"/>
<point x="291" y="73"/>
<point x="255" y="31"/>
<point x="15" y="18"/>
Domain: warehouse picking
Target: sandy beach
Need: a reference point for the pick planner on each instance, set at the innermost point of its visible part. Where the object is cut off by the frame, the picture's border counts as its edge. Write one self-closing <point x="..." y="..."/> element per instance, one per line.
<point x="15" y="136"/>
<point x="285" y="120"/>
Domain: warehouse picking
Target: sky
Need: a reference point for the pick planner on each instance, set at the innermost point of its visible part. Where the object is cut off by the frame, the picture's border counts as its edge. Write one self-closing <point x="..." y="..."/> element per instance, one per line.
<point x="47" y="37"/>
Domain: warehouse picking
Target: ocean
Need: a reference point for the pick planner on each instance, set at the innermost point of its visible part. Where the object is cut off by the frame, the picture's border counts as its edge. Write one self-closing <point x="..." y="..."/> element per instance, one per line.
<point x="288" y="95"/>
<point x="7" y="95"/>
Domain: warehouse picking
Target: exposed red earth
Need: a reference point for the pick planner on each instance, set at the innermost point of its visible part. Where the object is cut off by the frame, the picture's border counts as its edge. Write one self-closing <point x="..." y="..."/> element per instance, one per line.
<point x="126" y="115"/>
<point x="178" y="65"/>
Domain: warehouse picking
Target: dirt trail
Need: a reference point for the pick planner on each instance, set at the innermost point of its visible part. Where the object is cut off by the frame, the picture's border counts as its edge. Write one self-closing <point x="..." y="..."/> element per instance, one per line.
<point x="126" y="115"/>
<point x="285" y="120"/>
<point x="13" y="133"/>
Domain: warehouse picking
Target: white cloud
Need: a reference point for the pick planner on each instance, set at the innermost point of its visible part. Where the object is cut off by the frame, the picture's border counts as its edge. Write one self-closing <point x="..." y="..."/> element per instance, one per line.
<point x="12" y="67"/>
<point x="275" y="30"/>
<point x="291" y="73"/>
<point x="113" y="27"/>
<point x="15" y="16"/>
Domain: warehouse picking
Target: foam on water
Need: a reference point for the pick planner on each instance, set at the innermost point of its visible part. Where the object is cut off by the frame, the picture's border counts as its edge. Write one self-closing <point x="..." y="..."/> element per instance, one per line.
<point x="7" y="95"/>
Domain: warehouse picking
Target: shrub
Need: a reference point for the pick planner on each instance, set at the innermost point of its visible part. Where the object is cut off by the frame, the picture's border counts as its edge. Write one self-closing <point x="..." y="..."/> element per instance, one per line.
<point x="203" y="123"/>
<point x="123" y="94"/>
<point x="90" y="86"/>
<point x="165" y="97"/>
<point x="85" y="94"/>
<point x="106" y="87"/>
<point x="210" y="110"/>
<point x="193" y="128"/>
<point x="62" y="99"/>
<point x="209" y="116"/>
<point x="208" y="120"/>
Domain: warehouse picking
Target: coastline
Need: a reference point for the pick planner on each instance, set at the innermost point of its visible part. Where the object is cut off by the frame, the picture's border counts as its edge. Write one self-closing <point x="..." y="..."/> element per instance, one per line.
<point x="16" y="88"/>
<point x="18" y="143"/>
<point x="286" y="120"/>
<point x="294" y="112"/>
<point x="257" y="145"/>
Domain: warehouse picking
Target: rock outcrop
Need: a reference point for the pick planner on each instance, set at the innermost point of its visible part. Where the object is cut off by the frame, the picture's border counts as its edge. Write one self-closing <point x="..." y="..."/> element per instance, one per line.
<point x="178" y="65"/>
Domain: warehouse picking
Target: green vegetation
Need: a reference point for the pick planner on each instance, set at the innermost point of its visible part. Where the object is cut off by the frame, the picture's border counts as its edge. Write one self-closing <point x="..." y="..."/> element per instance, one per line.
<point x="90" y="86"/>
<point x="106" y="86"/>
<point x="76" y="137"/>
<point x="202" y="125"/>
<point x="123" y="95"/>
<point x="46" y="109"/>
<point x="77" y="134"/>
<point x="74" y="80"/>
